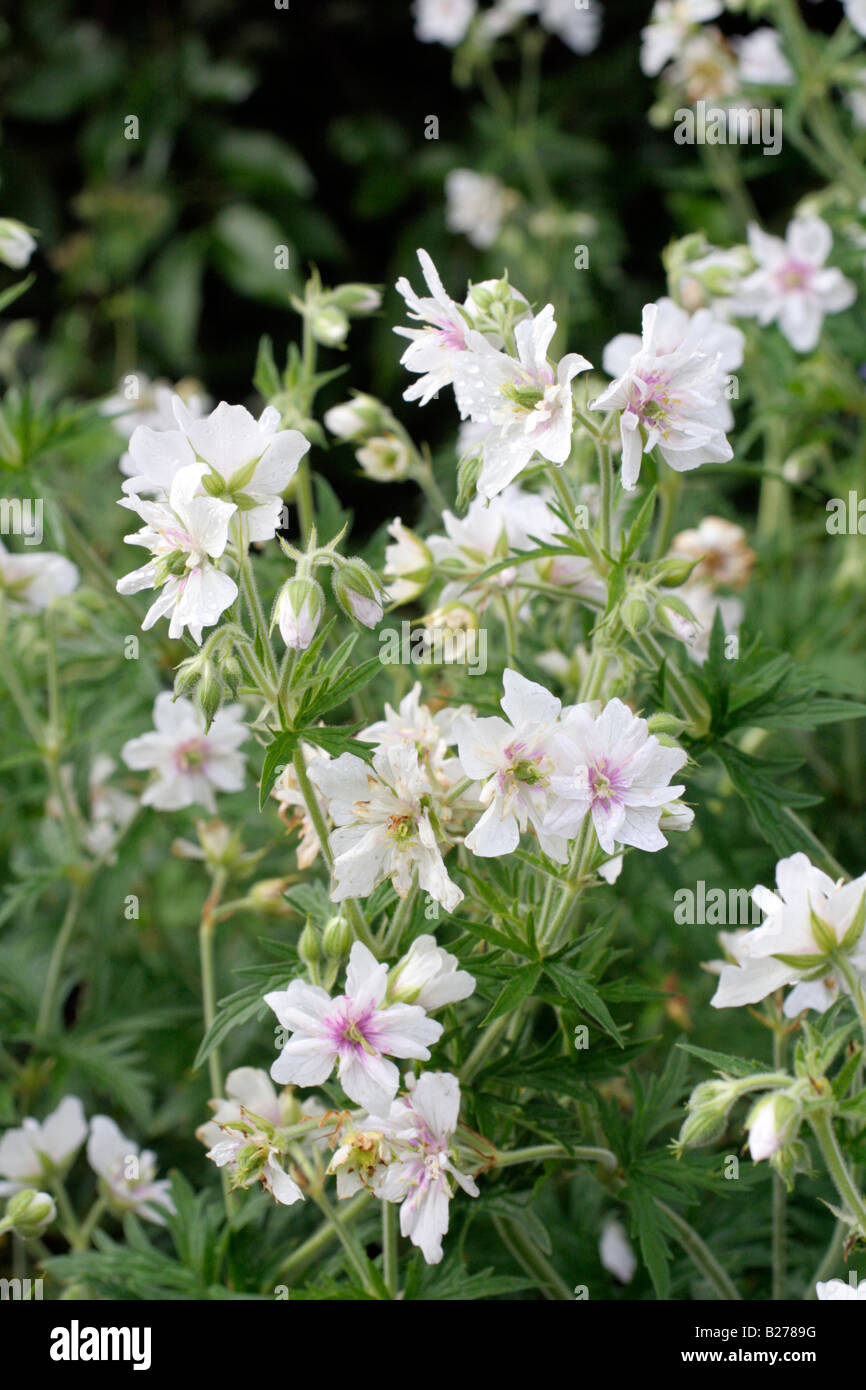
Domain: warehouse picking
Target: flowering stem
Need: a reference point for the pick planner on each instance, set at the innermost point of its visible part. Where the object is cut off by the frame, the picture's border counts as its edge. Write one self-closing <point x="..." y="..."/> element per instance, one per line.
<point x="55" y="965"/>
<point x="389" y="1247"/>
<point x="402" y="914"/>
<point x="530" y="1258"/>
<point x="693" y="706"/>
<point x="356" y="1256"/>
<point x="832" y="1255"/>
<point x="485" y="1044"/>
<point x="351" y="908"/>
<point x="699" y="1254"/>
<point x="669" y="492"/>
<point x="538" y="1152"/>
<point x="510" y="632"/>
<point x="780" y="1191"/>
<point x="605" y="465"/>
<point x="68" y="1221"/>
<point x="822" y="1126"/>
<point x="254" y="604"/>
<point x="855" y="985"/>
<point x="206" y="930"/>
<point x="580" y="857"/>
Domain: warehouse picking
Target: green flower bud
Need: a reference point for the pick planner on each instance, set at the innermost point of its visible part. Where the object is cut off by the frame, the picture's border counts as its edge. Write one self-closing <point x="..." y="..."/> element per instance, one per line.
<point x="674" y="571"/>
<point x="29" y="1213"/>
<point x="309" y="944"/>
<point x="330" y="326"/>
<point x="708" y="1109"/>
<point x="337" y="938"/>
<point x="358" y="591"/>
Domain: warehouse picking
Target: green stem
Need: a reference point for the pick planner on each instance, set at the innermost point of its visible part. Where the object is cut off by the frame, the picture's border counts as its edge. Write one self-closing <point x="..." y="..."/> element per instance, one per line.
<point x="830" y="1261"/>
<point x="482" y="1048"/>
<point x="538" y="1152"/>
<point x="322" y="1238"/>
<point x="530" y="1258"/>
<point x="355" y="1254"/>
<point x="701" y="1257"/>
<point x="55" y="965"/>
<point x="389" y="1247"/>
<point x="822" y="1126"/>
<point x="780" y="1191"/>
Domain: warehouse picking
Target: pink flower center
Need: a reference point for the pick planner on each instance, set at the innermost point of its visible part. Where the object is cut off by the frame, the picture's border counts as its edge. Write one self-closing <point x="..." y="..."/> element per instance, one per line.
<point x="794" y="275"/>
<point x="191" y="755"/>
<point x="352" y="1030"/>
<point x="605" y="784"/>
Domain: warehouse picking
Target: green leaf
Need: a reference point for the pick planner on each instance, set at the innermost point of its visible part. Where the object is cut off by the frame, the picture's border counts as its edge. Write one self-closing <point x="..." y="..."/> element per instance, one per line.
<point x="514" y="993"/>
<point x="723" y="1061"/>
<point x="574" y="985"/>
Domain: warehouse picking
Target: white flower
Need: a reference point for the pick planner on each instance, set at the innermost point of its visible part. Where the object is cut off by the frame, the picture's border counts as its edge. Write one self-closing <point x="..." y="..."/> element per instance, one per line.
<point x="29" y="583"/>
<point x="578" y="26"/>
<point x="514" y="761"/>
<point x="383" y="825"/>
<point x="16" y="243"/>
<point x="408" y="563"/>
<point x="415" y="725"/>
<point x="671" y="22"/>
<point x="421" y="1176"/>
<point x="354" y="1030"/>
<point x="190" y="764"/>
<point x="38" y="1150"/>
<point x="703" y="69"/>
<point x="676" y="397"/>
<point x="855" y="13"/>
<point x="183" y="535"/>
<point x="836" y="1289"/>
<point x="427" y="975"/>
<point x="298" y="612"/>
<point x="435" y="351"/>
<point x="140" y="401"/>
<point x="616" y="1253"/>
<point x="128" y="1173"/>
<point x="675" y="329"/>
<point x="611" y="767"/>
<point x="527" y="403"/>
<point x="762" y="60"/>
<point x="443" y="21"/>
<point x="807" y="906"/>
<point x="792" y="286"/>
<point x="246" y="461"/>
<point x="477" y="205"/>
<point x="504" y="14"/>
<point x="111" y="809"/>
<point x="721" y="549"/>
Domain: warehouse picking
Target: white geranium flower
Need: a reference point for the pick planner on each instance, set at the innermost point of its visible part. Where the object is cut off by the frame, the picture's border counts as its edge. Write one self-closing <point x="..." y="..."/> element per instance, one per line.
<point x="704" y="602"/>
<point x="184" y="536"/>
<point x="513" y="759"/>
<point x="384" y="458"/>
<point x="37" y="1151"/>
<point x="383" y="825"/>
<point x="423" y="1173"/>
<point x="241" y="1134"/>
<point x="808" y="914"/>
<point x="245" y="461"/>
<point x="111" y="809"/>
<point x="578" y="26"/>
<point x="189" y="763"/>
<point x="16" y="244"/>
<point x="526" y="402"/>
<point x="477" y="205"/>
<point x="357" y="1031"/>
<point x="792" y="286"/>
<point x="616" y="1253"/>
<point x="676" y="397"/>
<point x="611" y="767"/>
<point x="437" y="350"/>
<point x="671" y="23"/>
<point x="702" y="331"/>
<point x="704" y="69"/>
<point x="29" y="583"/>
<point x="408" y="563"/>
<point x="428" y="975"/>
<point x="762" y="60"/>
<point x="128" y="1173"/>
<point x="504" y="14"/>
<point x="836" y="1290"/>
<point x="720" y="547"/>
<point x="138" y="401"/>
<point x="443" y="21"/>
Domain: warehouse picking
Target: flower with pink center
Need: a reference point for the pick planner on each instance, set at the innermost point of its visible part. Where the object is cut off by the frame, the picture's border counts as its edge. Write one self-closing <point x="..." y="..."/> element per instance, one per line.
<point x="513" y="760"/>
<point x="434" y="351"/>
<point x="792" y="285"/>
<point x="127" y="1173"/>
<point x="190" y="764"/>
<point x="525" y="402"/>
<point x="185" y="536"/>
<point x="422" y="1173"/>
<point x="609" y="766"/>
<point x="670" y="399"/>
<point x="355" y="1031"/>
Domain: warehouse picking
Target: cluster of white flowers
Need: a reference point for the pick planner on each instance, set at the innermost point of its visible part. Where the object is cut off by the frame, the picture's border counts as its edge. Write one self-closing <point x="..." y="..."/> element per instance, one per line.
<point x="212" y="478"/>
<point x="40" y="1152"/>
<point x="449" y="21"/>
<point x="702" y="62"/>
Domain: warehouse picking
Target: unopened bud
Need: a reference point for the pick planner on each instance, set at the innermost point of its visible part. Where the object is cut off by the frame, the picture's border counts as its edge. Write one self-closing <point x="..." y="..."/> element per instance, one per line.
<point x="674" y="571"/>
<point x="298" y="612"/>
<point x="329" y="326"/>
<point x="772" y="1122"/>
<point x="384" y="458"/>
<point x="308" y="944"/>
<point x="337" y="938"/>
<point x="708" y="1109"/>
<point x="29" y="1213"/>
<point x="358" y="591"/>
<point x="357" y="299"/>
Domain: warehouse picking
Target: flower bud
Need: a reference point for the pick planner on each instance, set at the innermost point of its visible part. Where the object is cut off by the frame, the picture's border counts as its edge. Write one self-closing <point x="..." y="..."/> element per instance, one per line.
<point x="268" y="896"/>
<point x="337" y="938"/>
<point x="635" y="612"/>
<point x="664" y="723"/>
<point x="329" y="326"/>
<point x="308" y="944"/>
<point x="708" y="1109"/>
<point x="468" y="473"/>
<point x="674" y="571"/>
<point x="298" y="612"/>
<point x="358" y="591"/>
<point x="358" y="418"/>
<point x="230" y="670"/>
<point x="357" y="299"/>
<point x="384" y="458"/>
<point x="209" y="693"/>
<point x="16" y="244"/>
<point x="772" y="1122"/>
<point x="29" y="1213"/>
